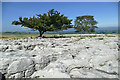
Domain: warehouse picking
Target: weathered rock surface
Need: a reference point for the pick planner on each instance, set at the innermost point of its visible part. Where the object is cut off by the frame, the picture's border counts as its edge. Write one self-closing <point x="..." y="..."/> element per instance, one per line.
<point x="52" y="73"/>
<point x="75" y="57"/>
<point x="24" y="67"/>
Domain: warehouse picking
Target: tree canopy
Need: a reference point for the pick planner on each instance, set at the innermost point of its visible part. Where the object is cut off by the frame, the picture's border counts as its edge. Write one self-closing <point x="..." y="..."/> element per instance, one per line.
<point x="85" y="24"/>
<point x="54" y="21"/>
<point x="50" y="21"/>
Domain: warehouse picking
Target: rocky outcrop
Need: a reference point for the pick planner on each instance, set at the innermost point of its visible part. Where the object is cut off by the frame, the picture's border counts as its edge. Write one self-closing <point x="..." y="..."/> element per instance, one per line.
<point x="73" y="57"/>
<point x="21" y="68"/>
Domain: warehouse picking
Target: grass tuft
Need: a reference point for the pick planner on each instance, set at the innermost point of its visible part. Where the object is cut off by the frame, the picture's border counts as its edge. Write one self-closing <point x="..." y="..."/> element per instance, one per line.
<point x="100" y="38"/>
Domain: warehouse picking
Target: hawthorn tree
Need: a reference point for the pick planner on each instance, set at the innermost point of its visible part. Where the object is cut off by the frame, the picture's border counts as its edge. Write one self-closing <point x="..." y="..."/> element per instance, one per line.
<point x="85" y="24"/>
<point x="50" y="21"/>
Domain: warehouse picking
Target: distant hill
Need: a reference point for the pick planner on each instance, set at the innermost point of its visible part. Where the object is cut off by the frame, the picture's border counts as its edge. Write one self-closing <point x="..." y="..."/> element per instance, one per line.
<point x="100" y="30"/>
<point x="107" y="28"/>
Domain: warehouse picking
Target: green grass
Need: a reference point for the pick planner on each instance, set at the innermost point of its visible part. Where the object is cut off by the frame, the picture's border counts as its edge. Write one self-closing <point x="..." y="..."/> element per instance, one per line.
<point x="91" y="36"/>
<point x="76" y="40"/>
<point x="80" y="38"/>
<point x="101" y="64"/>
<point x="3" y="37"/>
<point x="109" y="35"/>
<point x="23" y="36"/>
<point x="70" y="42"/>
<point x="18" y="35"/>
<point x="100" y="38"/>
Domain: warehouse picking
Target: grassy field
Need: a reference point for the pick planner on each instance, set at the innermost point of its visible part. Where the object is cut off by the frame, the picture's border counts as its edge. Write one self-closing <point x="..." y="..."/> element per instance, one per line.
<point x="23" y="36"/>
<point x="18" y="36"/>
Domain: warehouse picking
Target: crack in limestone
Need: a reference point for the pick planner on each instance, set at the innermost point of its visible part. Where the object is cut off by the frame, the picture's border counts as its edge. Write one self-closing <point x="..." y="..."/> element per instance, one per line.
<point x="111" y="73"/>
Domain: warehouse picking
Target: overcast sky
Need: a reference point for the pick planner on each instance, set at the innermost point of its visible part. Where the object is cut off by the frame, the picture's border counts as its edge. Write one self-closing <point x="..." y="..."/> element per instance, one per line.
<point x="106" y="13"/>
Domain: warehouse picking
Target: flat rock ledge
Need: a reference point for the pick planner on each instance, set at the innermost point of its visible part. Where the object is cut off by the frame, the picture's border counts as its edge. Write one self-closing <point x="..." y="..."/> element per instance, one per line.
<point x="86" y="56"/>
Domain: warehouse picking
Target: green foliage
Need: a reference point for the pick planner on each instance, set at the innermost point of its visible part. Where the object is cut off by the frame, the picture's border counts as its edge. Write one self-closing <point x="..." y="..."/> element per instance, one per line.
<point x="85" y="24"/>
<point x="51" y="21"/>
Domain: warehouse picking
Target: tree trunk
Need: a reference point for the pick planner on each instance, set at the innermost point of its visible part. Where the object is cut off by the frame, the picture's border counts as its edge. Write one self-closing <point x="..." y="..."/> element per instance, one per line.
<point x="41" y="33"/>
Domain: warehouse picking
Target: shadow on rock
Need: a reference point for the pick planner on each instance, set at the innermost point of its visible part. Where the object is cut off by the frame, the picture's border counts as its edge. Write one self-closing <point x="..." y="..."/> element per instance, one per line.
<point x="2" y="77"/>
